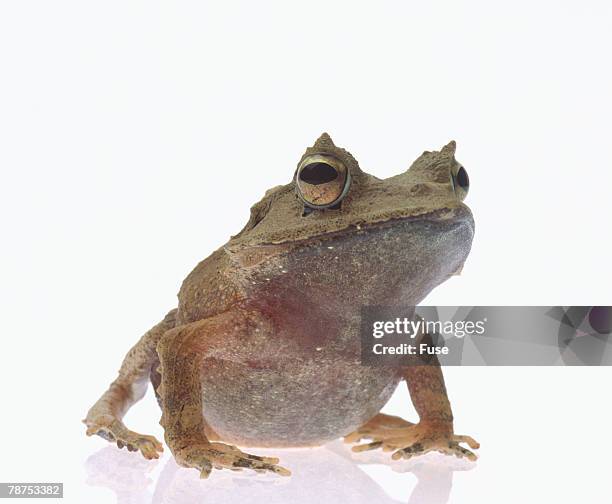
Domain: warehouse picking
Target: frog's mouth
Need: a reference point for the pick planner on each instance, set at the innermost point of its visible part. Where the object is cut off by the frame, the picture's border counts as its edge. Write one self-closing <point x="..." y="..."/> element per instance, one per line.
<point x="331" y="228"/>
<point x="445" y="218"/>
<point x="438" y="223"/>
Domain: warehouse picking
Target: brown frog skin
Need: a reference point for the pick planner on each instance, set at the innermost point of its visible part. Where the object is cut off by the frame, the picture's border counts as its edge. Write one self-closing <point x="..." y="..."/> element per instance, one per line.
<point x="264" y="348"/>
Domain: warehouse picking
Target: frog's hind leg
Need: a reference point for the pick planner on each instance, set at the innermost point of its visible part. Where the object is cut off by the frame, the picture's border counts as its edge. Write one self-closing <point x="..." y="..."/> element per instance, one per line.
<point x="183" y="353"/>
<point x="104" y="417"/>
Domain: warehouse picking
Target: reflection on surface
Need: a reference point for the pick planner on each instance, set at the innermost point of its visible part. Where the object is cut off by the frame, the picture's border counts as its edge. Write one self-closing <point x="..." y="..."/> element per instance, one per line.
<point x="122" y="472"/>
<point x="328" y="474"/>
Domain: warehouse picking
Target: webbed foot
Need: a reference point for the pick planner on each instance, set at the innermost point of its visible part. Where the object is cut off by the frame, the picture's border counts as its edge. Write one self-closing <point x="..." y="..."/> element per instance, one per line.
<point x="114" y="431"/>
<point x="408" y="440"/>
<point x="206" y="456"/>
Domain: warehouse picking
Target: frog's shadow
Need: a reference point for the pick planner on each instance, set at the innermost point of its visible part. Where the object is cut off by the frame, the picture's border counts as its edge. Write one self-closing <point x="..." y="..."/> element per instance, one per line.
<point x="327" y="474"/>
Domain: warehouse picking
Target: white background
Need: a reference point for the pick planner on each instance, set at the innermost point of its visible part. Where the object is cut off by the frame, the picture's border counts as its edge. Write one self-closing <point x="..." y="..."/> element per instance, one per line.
<point x="134" y="136"/>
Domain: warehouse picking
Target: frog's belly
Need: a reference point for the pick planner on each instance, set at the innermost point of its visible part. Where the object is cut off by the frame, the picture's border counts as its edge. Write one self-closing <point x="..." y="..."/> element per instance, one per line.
<point x="304" y="402"/>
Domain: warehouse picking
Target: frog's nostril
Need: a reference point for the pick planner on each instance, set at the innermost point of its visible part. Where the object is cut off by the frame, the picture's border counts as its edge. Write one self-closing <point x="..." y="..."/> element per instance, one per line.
<point x="318" y="173"/>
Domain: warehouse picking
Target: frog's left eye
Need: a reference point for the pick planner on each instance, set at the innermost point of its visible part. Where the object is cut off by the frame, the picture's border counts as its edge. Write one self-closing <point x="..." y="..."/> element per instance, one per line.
<point x="461" y="181"/>
<point x="322" y="181"/>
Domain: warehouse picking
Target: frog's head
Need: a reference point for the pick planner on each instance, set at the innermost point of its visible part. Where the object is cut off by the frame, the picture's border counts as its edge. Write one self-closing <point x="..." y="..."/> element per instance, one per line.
<point x="331" y="194"/>
<point x="326" y="173"/>
<point x="331" y="200"/>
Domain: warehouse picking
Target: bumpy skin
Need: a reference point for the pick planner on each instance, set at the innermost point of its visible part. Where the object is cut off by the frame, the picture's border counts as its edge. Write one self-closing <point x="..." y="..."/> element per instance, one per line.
<point x="264" y="348"/>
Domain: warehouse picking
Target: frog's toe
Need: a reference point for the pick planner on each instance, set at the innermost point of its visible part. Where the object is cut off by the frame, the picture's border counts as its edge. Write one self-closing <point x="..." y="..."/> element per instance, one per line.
<point x="148" y="445"/>
<point x="209" y="456"/>
<point x="115" y="431"/>
<point x="446" y="446"/>
<point x="469" y="440"/>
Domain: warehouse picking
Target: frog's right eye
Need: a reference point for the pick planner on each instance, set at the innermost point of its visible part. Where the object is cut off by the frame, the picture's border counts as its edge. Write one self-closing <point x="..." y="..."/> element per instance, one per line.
<point x="461" y="181"/>
<point x="322" y="181"/>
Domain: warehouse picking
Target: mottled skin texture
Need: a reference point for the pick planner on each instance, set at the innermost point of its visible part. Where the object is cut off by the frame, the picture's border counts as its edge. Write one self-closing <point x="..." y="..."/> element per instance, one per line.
<point x="264" y="348"/>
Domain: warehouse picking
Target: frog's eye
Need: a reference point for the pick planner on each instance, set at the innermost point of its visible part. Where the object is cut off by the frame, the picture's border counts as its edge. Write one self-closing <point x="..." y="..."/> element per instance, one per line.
<point x="461" y="181"/>
<point x="322" y="181"/>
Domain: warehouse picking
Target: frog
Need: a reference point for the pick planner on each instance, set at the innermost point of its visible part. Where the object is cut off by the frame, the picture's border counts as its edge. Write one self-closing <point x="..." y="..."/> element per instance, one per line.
<point x="263" y="349"/>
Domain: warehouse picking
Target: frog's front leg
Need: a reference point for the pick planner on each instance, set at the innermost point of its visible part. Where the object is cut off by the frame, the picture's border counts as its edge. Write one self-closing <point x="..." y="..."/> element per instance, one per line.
<point x="434" y="432"/>
<point x="183" y="352"/>
<point x="104" y="418"/>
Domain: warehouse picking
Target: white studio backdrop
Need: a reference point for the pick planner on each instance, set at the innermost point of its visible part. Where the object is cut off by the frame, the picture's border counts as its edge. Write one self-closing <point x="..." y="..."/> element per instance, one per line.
<point x="134" y="136"/>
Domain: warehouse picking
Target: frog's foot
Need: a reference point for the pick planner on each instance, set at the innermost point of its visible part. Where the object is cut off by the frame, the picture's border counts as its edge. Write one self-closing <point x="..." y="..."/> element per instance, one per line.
<point x="206" y="456"/>
<point x="376" y="427"/>
<point x="408" y="440"/>
<point x="113" y="430"/>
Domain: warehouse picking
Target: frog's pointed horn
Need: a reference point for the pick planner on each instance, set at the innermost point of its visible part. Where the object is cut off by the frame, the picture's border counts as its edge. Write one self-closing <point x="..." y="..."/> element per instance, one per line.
<point x="323" y="142"/>
<point x="449" y="148"/>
